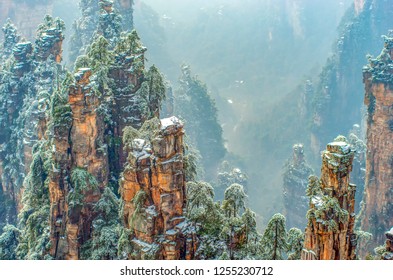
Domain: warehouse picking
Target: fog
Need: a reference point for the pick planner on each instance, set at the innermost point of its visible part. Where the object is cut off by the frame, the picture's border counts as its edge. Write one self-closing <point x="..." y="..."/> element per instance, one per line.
<point x="254" y="57"/>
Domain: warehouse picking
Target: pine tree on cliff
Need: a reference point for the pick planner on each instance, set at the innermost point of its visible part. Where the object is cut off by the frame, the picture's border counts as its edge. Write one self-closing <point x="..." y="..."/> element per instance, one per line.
<point x="274" y="238"/>
<point x="250" y="248"/>
<point x="9" y="241"/>
<point x="201" y="208"/>
<point x="295" y="241"/>
<point x="99" y="18"/>
<point x="11" y="38"/>
<point x="198" y="109"/>
<point x="106" y="229"/>
<point x="33" y="219"/>
<point x="234" y="202"/>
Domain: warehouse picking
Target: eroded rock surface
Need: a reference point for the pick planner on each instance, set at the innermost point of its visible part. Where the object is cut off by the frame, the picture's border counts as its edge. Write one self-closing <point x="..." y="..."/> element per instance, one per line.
<point x="153" y="193"/>
<point x="330" y="230"/>
<point x="377" y="213"/>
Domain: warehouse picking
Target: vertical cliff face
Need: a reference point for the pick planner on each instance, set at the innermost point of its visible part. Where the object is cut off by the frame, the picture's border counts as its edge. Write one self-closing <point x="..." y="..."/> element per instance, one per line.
<point x="377" y="213"/>
<point x="296" y="173"/>
<point x="27" y="82"/>
<point x="330" y="230"/>
<point x="83" y="169"/>
<point x="336" y="102"/>
<point x="153" y="191"/>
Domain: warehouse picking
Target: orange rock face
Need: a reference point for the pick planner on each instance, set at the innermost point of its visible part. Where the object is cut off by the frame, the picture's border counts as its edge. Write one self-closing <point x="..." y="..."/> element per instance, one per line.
<point x="330" y="231"/>
<point x="77" y="146"/>
<point x="155" y="168"/>
<point x="377" y="212"/>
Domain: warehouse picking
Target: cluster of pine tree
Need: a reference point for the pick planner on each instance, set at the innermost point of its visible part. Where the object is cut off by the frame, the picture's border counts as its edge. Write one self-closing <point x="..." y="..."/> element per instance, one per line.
<point x="228" y="229"/>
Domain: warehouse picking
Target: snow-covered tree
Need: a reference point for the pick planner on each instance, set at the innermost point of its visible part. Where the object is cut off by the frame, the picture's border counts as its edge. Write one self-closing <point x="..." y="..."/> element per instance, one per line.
<point x="103" y="244"/>
<point x="234" y="200"/>
<point x="295" y="240"/>
<point x="274" y="240"/>
<point x="9" y="240"/>
<point x="194" y="104"/>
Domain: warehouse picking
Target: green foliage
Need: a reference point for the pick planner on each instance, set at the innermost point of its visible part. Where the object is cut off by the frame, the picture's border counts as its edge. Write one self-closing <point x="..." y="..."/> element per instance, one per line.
<point x="33" y="219"/>
<point x="129" y="135"/>
<point x="139" y="203"/>
<point x="124" y="246"/>
<point x="341" y="138"/>
<point x="363" y="239"/>
<point x="82" y="181"/>
<point x="100" y="59"/>
<point x="150" y="128"/>
<point x="9" y="241"/>
<point x="130" y="43"/>
<point x="295" y="241"/>
<point x="327" y="211"/>
<point x="234" y="200"/>
<point x="82" y="61"/>
<point x="11" y="37"/>
<point x="103" y="244"/>
<point x="109" y="26"/>
<point x="251" y="246"/>
<point x="60" y="110"/>
<point x="274" y="238"/>
<point x="380" y="251"/>
<point x="314" y="186"/>
<point x="198" y="109"/>
<point x="157" y="90"/>
<point x="190" y="166"/>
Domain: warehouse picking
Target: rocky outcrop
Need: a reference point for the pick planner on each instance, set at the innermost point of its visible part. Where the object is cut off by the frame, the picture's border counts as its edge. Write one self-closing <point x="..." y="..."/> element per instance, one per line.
<point x="27" y="82"/>
<point x="153" y="193"/>
<point x="82" y="175"/>
<point x="377" y="213"/>
<point x="330" y="231"/>
<point x="336" y="104"/>
<point x="295" y="177"/>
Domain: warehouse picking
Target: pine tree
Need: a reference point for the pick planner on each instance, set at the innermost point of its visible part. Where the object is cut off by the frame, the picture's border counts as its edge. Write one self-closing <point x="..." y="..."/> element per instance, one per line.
<point x="9" y="241"/>
<point x="234" y="200"/>
<point x="274" y="238"/>
<point x="34" y="216"/>
<point x="250" y="248"/>
<point x="103" y="244"/>
<point x="295" y="242"/>
<point x="198" y="109"/>
<point x="11" y="38"/>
